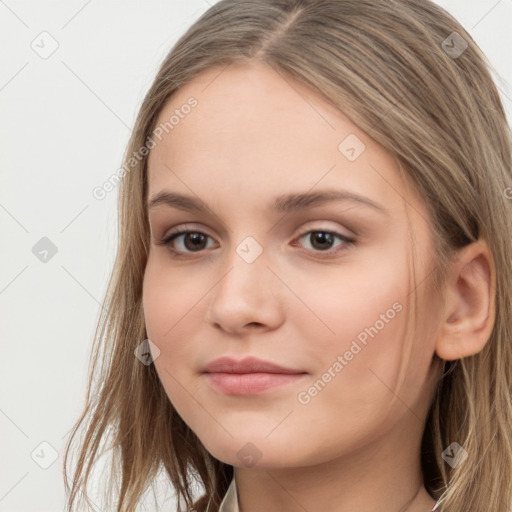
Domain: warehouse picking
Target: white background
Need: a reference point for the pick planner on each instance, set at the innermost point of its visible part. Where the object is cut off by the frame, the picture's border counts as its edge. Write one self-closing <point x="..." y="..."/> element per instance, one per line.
<point x="65" y="121"/>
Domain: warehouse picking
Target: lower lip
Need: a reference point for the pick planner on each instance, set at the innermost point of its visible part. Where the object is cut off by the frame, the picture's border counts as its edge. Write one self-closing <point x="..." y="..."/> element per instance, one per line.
<point x="250" y="383"/>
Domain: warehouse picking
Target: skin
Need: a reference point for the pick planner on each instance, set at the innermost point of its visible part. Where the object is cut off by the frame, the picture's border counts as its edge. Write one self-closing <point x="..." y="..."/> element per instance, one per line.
<point x="356" y="444"/>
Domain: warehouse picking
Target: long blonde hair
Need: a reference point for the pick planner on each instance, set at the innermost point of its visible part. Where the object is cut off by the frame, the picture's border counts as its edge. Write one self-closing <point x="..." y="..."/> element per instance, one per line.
<point x="410" y="76"/>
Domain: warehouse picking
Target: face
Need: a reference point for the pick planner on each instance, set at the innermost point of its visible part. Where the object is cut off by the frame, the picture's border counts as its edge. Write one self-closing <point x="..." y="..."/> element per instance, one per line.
<point x="321" y="288"/>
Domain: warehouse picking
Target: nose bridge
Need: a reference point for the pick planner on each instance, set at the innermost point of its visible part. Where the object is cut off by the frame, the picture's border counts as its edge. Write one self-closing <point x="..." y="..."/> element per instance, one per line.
<point x="246" y="269"/>
<point x="245" y="292"/>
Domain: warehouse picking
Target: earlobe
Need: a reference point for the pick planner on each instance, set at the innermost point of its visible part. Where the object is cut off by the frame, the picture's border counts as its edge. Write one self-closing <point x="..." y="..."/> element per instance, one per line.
<point x="469" y="315"/>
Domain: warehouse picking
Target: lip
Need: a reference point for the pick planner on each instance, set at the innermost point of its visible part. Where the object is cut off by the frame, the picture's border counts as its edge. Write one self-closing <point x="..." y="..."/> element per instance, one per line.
<point x="250" y="376"/>
<point x="247" y="365"/>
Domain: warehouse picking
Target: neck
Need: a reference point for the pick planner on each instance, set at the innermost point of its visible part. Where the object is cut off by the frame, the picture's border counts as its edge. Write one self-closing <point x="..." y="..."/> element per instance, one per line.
<point x="380" y="476"/>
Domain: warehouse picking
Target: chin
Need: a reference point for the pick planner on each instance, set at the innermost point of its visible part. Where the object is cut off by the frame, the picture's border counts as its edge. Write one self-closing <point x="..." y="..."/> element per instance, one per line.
<point x="253" y="451"/>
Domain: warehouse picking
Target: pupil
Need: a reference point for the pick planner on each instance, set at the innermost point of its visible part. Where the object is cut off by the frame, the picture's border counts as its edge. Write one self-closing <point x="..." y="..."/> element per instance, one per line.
<point x="196" y="240"/>
<point x="322" y="237"/>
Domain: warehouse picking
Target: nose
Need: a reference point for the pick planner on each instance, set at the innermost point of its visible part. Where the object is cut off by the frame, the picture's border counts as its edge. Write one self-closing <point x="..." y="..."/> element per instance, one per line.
<point x="247" y="296"/>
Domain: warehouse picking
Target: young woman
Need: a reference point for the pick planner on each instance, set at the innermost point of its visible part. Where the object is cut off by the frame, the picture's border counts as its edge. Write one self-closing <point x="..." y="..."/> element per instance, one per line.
<point x="310" y="307"/>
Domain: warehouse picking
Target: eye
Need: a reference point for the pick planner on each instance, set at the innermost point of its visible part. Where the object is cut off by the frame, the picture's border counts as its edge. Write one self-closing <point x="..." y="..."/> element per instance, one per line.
<point x="322" y="241"/>
<point x="194" y="241"/>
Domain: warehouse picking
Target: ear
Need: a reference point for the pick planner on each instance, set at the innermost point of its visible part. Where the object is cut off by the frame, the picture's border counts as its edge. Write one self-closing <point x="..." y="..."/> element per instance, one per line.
<point x="469" y="313"/>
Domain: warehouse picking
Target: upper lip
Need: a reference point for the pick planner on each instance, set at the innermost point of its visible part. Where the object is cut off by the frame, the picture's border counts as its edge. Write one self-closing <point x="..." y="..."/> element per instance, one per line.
<point x="247" y="365"/>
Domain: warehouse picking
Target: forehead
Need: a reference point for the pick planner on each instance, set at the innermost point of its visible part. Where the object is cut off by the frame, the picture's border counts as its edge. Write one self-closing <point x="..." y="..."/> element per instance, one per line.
<point x="255" y="132"/>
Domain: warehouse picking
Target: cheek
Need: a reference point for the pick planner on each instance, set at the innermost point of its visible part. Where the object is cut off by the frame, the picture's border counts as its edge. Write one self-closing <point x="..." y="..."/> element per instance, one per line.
<point x="363" y="304"/>
<point x="171" y="302"/>
<point x="354" y="332"/>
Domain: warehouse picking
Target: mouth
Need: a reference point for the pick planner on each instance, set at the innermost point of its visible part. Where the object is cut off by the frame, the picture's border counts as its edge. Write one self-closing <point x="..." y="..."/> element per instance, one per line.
<point x="250" y="376"/>
<point x="251" y="383"/>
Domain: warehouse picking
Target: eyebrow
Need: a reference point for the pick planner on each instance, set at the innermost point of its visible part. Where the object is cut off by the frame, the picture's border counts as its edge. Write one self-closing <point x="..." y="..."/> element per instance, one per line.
<point x="285" y="203"/>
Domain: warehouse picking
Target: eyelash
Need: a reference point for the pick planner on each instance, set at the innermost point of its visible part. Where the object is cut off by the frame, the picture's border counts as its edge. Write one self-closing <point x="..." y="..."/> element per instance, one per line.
<point x="167" y="241"/>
